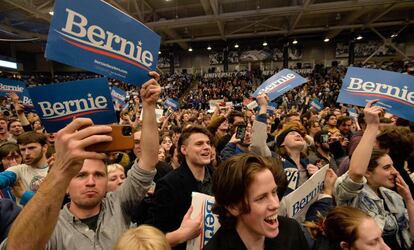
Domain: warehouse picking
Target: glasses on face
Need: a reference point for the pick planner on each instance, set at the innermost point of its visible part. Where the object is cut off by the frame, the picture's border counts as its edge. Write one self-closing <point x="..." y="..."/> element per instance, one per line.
<point x="12" y="157"/>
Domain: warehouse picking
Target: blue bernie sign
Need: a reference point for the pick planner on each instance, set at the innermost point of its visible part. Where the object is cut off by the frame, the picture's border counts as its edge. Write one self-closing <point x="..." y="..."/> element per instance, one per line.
<point x="316" y="104"/>
<point x="58" y="104"/>
<point x="279" y="84"/>
<point x="394" y="91"/>
<point x="19" y="87"/>
<point x="171" y="103"/>
<point x="95" y="36"/>
<point x="118" y="96"/>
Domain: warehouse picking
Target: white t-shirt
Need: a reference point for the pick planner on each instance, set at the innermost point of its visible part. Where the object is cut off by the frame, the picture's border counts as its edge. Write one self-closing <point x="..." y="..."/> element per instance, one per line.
<point x="29" y="177"/>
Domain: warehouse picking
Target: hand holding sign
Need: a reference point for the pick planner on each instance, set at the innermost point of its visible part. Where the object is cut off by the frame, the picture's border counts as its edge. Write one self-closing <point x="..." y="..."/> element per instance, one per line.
<point x="191" y="227"/>
<point x="372" y="113"/>
<point x="150" y="91"/>
<point x="262" y="99"/>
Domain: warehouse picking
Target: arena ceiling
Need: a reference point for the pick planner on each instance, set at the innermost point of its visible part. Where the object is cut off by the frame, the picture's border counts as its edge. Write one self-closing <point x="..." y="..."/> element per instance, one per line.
<point x="186" y="22"/>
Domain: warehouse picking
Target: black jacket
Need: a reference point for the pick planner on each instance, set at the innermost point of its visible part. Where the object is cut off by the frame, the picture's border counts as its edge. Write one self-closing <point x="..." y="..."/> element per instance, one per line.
<point x="8" y="213"/>
<point x="172" y="199"/>
<point x="290" y="237"/>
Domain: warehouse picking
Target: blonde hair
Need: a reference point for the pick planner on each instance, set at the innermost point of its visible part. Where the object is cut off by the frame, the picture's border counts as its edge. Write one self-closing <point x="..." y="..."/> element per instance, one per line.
<point x="113" y="167"/>
<point x="143" y="237"/>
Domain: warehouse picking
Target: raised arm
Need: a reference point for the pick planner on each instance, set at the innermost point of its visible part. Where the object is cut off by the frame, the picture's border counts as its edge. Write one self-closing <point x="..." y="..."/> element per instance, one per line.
<point x="43" y="209"/>
<point x="150" y="92"/>
<point x="259" y="134"/>
<point x="362" y="154"/>
<point x="19" y="109"/>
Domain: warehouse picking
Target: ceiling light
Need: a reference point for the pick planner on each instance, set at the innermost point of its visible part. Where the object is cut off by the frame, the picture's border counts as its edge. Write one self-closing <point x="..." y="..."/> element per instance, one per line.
<point x="190" y="49"/>
<point x="159" y="52"/>
<point x="51" y="12"/>
<point x="394" y="35"/>
<point x="209" y="48"/>
<point x="295" y="41"/>
<point x="236" y="45"/>
<point x="359" y="37"/>
<point x="264" y="43"/>
<point x="326" y="40"/>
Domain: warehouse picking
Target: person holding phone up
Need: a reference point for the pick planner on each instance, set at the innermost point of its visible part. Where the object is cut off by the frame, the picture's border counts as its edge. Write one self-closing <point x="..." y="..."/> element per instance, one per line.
<point x="91" y="220"/>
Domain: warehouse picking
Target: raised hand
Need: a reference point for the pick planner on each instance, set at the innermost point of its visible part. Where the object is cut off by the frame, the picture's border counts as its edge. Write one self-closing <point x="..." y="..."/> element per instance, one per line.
<point x="150" y="91"/>
<point x="372" y="113"/>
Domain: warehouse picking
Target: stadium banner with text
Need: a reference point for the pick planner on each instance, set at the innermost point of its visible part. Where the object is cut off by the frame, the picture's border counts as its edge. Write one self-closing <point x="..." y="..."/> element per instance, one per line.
<point x="118" y="96"/>
<point x="95" y="36"/>
<point x="58" y="104"/>
<point x="19" y="87"/>
<point x="203" y="204"/>
<point x="171" y="103"/>
<point x="299" y="201"/>
<point x="395" y="91"/>
<point x="280" y="83"/>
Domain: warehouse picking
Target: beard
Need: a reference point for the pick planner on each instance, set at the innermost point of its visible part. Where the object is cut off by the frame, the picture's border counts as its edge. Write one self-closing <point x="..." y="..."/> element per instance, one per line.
<point x="35" y="160"/>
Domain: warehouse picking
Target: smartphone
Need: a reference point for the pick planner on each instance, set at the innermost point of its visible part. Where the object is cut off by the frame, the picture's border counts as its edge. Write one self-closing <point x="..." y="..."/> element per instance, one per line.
<point x="324" y="138"/>
<point x="122" y="139"/>
<point x="240" y="132"/>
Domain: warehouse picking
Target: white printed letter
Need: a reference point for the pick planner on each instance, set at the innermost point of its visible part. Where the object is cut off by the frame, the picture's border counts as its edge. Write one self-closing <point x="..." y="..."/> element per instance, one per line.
<point x="70" y="22"/>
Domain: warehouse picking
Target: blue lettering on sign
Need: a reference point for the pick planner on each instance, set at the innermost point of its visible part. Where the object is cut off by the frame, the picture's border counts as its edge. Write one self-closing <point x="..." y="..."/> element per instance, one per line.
<point x="209" y="220"/>
<point x="299" y="205"/>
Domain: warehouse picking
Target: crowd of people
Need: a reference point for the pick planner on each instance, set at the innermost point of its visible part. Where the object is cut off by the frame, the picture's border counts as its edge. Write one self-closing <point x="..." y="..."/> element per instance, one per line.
<point x="57" y="194"/>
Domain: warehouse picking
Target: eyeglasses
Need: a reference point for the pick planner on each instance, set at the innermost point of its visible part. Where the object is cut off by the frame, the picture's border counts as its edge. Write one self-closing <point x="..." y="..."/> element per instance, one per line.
<point x="12" y="157"/>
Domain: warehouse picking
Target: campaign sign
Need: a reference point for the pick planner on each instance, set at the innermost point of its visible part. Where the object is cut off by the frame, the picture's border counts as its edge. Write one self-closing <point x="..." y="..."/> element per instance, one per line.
<point x="299" y="201"/>
<point x="279" y="84"/>
<point x="19" y="87"/>
<point x="353" y="113"/>
<point x="118" y="96"/>
<point x="394" y="91"/>
<point x="171" y="103"/>
<point x="203" y="204"/>
<point x="58" y="104"/>
<point x="316" y="104"/>
<point x="95" y="36"/>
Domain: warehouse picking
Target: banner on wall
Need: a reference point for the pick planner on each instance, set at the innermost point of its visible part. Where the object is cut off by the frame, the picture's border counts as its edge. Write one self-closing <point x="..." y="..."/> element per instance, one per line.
<point x="95" y="36"/>
<point x="394" y="91"/>
<point x="58" y="104"/>
<point x="279" y="84"/>
<point x="19" y="87"/>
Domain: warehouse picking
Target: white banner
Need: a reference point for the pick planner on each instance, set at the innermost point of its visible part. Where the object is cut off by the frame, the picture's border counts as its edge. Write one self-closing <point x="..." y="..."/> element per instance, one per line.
<point x="203" y="204"/>
<point x="298" y="202"/>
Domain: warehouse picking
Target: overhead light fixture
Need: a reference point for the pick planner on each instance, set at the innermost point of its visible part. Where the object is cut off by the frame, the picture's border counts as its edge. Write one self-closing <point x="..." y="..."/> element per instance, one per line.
<point x="209" y="48"/>
<point x="236" y="45"/>
<point x="326" y="40"/>
<point x="51" y="12"/>
<point x="295" y="41"/>
<point x="394" y="35"/>
<point x="190" y="49"/>
<point x="359" y="37"/>
<point x="159" y="52"/>
<point x="264" y="44"/>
